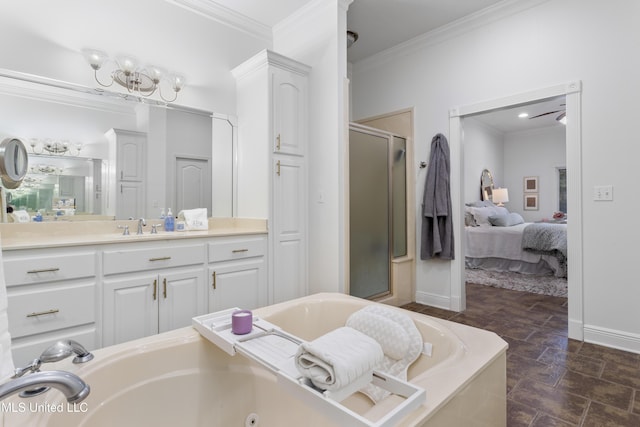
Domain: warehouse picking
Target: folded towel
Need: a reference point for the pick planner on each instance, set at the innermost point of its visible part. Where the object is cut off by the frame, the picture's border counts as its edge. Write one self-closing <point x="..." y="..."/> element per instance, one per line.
<point x="338" y="358"/>
<point x="194" y="219"/>
<point x="21" y="216"/>
<point x="398" y="336"/>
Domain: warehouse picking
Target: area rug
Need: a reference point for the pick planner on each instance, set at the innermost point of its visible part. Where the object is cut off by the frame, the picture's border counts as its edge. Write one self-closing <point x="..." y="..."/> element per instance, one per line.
<point x="546" y="285"/>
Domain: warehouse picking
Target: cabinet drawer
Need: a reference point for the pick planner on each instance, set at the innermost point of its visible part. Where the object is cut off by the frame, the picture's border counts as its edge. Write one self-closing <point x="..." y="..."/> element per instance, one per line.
<point x="22" y="270"/>
<point x="149" y="258"/>
<point x="230" y="249"/>
<point x="35" y="311"/>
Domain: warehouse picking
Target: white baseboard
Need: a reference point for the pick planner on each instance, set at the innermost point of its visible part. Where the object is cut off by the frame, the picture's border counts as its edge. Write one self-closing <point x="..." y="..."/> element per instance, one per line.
<point x="612" y="338"/>
<point x="576" y="330"/>
<point x="433" y="300"/>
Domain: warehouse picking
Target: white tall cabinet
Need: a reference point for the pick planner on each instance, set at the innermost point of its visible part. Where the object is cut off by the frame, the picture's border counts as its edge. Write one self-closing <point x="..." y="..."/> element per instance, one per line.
<point x="272" y="102"/>
<point x="126" y="196"/>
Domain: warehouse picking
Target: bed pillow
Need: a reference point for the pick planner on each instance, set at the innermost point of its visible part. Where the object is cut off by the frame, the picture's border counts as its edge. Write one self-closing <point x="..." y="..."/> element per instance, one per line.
<point x="481" y="215"/>
<point x="469" y="220"/>
<point x="481" y="204"/>
<point x="508" y="220"/>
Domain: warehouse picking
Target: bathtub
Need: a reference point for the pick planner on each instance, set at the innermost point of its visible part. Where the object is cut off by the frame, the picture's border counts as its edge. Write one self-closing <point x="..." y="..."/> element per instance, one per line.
<point x="179" y="378"/>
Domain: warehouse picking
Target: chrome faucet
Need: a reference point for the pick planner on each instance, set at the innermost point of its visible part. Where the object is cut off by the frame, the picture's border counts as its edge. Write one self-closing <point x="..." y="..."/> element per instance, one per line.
<point x="63" y="349"/>
<point x="56" y="352"/>
<point x="141" y="223"/>
<point x="69" y="384"/>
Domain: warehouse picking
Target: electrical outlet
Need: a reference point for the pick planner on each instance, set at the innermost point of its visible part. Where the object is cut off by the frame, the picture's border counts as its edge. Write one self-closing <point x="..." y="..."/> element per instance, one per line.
<point x="603" y="192"/>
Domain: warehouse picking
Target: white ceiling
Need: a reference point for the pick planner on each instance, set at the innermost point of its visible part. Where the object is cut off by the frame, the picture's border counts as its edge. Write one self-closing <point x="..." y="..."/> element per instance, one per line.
<point x="381" y="24"/>
<point x="506" y="120"/>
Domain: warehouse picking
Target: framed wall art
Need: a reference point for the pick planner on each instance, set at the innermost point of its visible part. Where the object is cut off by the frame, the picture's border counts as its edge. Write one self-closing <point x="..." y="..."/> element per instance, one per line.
<point x="530" y="202"/>
<point x="530" y="184"/>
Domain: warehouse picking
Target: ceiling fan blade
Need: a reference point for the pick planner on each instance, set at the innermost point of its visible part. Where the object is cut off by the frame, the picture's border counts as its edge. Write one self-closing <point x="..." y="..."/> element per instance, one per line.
<point x="544" y="114"/>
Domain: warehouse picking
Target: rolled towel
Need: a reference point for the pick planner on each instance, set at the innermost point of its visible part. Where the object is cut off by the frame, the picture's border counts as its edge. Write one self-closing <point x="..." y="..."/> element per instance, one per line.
<point x="338" y="358"/>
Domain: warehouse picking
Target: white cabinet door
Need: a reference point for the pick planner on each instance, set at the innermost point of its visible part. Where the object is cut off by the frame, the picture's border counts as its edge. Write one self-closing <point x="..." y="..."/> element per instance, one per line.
<point x="130" y="308"/>
<point x="130" y="152"/>
<point x="289" y="246"/>
<point x="289" y="112"/>
<point x="130" y="200"/>
<point x="181" y="296"/>
<point x="238" y="284"/>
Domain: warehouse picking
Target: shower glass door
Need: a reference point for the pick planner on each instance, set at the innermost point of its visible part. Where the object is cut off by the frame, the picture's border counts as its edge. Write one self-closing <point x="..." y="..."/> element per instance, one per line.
<point x="369" y="213"/>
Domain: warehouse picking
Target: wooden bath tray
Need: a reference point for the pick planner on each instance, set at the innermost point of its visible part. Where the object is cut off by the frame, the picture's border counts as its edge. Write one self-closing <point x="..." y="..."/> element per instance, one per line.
<point x="275" y="349"/>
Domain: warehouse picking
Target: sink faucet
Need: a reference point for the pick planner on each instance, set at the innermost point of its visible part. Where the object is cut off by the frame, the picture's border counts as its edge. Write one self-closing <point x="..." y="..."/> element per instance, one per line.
<point x="141" y="223"/>
<point x="74" y="389"/>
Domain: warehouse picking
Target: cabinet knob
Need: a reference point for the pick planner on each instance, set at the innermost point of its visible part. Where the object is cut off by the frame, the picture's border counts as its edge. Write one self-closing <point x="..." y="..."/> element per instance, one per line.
<point x="155" y="289"/>
<point x="213" y="277"/>
<point x="278" y="142"/>
<point x="164" y="290"/>
<point x="278" y="168"/>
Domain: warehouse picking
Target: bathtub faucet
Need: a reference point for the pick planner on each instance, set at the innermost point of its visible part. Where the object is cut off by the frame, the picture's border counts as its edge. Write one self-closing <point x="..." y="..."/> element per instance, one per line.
<point x="56" y="352"/>
<point x="74" y="389"/>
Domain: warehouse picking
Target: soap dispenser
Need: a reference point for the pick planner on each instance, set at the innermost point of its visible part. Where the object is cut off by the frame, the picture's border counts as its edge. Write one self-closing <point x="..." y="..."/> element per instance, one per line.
<point x="169" y="221"/>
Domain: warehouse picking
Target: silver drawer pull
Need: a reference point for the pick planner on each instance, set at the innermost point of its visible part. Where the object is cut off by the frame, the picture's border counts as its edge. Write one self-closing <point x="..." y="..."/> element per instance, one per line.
<point x="235" y="251"/>
<point x="42" y="313"/>
<point x="161" y="258"/>
<point x="44" y="270"/>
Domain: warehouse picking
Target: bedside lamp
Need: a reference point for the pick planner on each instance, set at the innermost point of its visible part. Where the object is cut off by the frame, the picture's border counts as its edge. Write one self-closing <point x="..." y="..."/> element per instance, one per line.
<point x="500" y="196"/>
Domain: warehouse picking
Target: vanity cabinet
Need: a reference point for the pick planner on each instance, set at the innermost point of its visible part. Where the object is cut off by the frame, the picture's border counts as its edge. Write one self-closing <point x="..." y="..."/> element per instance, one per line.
<point x="272" y="99"/>
<point x="107" y="293"/>
<point x="127" y="172"/>
<point x="237" y="272"/>
<point x="50" y="297"/>
<point x="151" y="288"/>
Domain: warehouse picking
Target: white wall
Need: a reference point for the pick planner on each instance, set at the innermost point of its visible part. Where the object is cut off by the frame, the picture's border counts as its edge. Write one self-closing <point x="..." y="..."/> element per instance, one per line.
<point x="534" y="153"/>
<point x="537" y="44"/>
<point x="483" y="149"/>
<point x="316" y="36"/>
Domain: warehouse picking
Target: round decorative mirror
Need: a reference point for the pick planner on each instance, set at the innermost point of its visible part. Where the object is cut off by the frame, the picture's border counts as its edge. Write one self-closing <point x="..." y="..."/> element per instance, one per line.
<point x="486" y="185"/>
<point x="14" y="162"/>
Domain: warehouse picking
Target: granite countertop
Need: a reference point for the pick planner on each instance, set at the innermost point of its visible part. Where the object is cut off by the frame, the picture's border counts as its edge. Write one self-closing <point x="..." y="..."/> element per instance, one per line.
<point x="36" y="235"/>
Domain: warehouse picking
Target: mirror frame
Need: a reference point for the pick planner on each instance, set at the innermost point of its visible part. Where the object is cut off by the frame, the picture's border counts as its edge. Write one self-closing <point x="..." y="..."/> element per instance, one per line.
<point x="486" y="185"/>
<point x="14" y="162"/>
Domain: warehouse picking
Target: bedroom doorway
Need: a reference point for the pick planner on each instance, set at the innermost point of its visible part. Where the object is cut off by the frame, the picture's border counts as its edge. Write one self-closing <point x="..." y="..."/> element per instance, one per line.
<point x="572" y="94"/>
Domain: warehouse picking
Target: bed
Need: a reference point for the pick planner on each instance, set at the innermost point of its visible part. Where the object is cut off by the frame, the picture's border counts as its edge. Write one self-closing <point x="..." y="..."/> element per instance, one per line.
<point x="516" y="246"/>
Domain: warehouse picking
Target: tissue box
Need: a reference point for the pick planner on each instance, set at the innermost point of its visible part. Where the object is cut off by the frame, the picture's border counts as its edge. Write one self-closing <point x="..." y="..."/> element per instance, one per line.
<point x="194" y="219"/>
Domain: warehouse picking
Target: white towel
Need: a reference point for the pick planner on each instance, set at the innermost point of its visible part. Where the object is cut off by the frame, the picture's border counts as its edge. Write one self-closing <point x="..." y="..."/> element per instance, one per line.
<point x="398" y="336"/>
<point x="21" y="216"/>
<point x="195" y="219"/>
<point x="338" y="358"/>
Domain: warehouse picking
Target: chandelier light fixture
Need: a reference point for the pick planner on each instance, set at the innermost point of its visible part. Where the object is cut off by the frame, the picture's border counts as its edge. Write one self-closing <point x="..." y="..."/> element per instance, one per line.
<point x="55" y="148"/>
<point x="137" y="80"/>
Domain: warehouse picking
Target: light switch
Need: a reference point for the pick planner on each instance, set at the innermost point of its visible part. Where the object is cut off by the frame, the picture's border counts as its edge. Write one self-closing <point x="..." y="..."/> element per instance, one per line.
<point x="603" y="192"/>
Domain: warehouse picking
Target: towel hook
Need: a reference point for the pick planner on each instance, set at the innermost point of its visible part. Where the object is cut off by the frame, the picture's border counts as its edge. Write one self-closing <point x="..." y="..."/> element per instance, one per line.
<point x="423" y="164"/>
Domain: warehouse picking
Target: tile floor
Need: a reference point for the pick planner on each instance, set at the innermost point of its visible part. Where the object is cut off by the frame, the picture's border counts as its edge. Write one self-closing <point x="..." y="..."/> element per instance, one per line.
<point x="551" y="380"/>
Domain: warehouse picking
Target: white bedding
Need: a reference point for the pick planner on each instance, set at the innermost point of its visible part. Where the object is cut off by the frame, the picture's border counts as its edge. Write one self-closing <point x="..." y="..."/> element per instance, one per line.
<point x="488" y="243"/>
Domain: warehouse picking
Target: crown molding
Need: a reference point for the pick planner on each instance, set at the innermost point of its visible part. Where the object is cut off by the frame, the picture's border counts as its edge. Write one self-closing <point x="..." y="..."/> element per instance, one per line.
<point x="226" y="16"/>
<point x="449" y="31"/>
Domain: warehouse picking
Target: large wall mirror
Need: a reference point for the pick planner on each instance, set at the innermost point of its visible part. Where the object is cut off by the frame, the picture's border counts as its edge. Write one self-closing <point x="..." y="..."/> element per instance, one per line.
<point x="36" y="110"/>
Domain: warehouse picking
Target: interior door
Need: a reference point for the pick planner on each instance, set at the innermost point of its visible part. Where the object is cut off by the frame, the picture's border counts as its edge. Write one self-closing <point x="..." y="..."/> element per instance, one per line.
<point x="193" y="184"/>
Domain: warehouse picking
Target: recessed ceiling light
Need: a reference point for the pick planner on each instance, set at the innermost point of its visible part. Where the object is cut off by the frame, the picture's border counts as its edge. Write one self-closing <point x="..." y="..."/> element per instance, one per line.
<point x="523" y="115"/>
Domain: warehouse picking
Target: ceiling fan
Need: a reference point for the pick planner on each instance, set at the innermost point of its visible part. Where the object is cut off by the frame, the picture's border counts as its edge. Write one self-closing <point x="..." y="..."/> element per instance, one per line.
<point x="560" y="117"/>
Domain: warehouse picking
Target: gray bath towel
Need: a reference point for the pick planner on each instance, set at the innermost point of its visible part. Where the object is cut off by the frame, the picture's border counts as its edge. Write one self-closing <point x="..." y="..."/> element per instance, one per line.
<point x="437" y="224"/>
